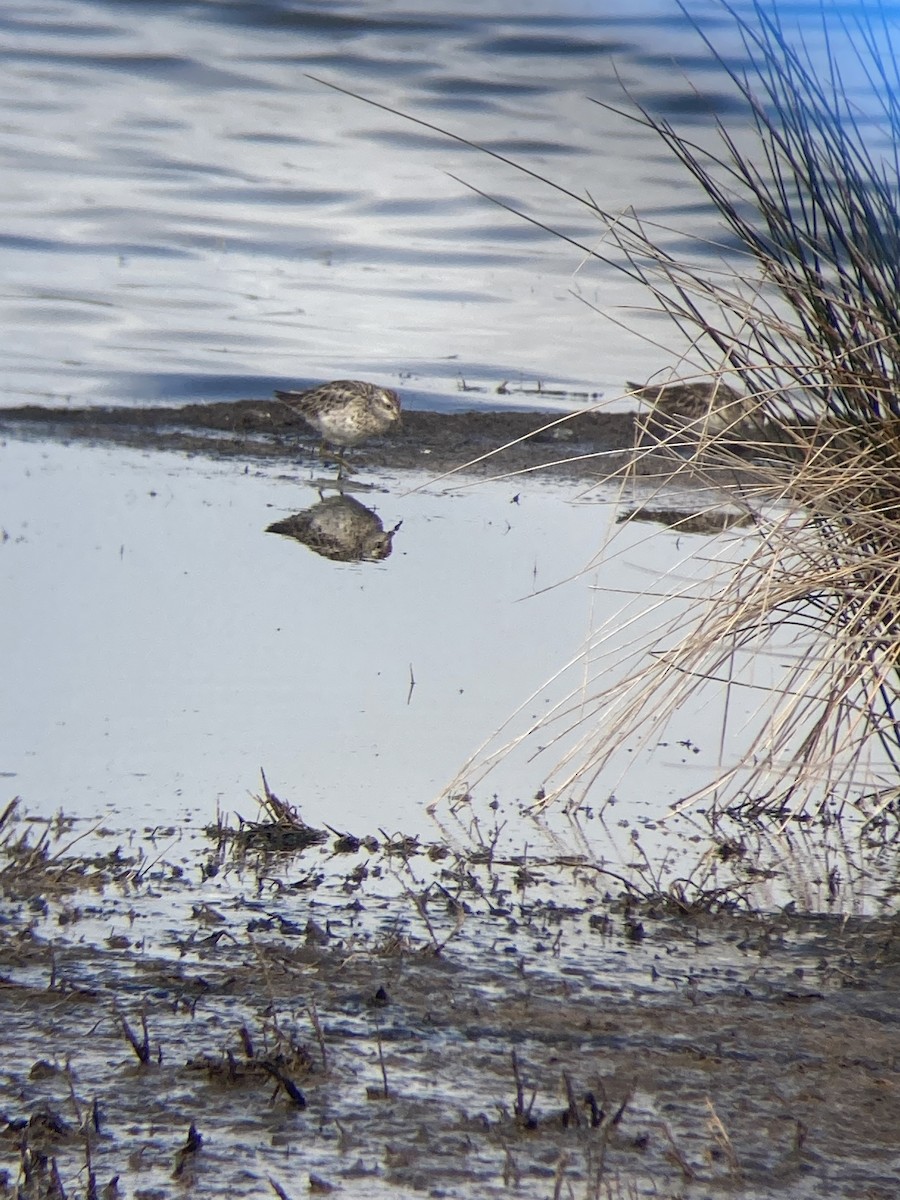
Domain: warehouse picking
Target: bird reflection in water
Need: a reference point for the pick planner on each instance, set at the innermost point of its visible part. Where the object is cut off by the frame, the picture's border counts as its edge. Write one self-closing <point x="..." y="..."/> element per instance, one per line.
<point x="709" y="521"/>
<point x="340" y="528"/>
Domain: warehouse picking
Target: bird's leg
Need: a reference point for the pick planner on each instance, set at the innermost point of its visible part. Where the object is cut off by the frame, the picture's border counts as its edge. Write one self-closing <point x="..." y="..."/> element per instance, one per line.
<point x="329" y="454"/>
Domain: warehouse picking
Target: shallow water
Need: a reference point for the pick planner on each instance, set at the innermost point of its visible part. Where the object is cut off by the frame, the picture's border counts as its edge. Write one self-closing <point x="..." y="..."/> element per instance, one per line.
<point x="165" y="647"/>
<point x="190" y="216"/>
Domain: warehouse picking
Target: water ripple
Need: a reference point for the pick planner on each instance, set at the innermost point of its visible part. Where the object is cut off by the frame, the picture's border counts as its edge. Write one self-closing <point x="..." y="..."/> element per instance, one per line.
<point x="139" y="139"/>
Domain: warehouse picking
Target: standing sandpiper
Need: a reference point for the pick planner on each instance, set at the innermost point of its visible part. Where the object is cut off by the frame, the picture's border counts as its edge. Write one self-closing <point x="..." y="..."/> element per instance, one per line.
<point x="346" y="411"/>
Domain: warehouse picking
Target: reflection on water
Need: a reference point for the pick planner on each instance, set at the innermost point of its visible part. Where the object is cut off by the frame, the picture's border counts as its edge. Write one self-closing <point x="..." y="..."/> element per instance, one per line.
<point x="164" y="649"/>
<point x="710" y="520"/>
<point x="340" y="528"/>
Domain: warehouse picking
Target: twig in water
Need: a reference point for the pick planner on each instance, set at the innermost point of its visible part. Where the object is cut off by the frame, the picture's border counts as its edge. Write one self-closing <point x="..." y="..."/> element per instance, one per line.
<point x="722" y="1139"/>
<point x="293" y="1093"/>
<point x="141" y="1046"/>
<point x="523" y="1114"/>
<point x="677" y="1157"/>
<point x="381" y="1060"/>
<point x="320" y="1036"/>
<point x="190" y="1147"/>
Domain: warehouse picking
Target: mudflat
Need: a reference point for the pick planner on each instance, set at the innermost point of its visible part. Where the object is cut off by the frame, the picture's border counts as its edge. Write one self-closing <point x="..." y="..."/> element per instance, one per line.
<point x="503" y="441"/>
<point x="382" y="1017"/>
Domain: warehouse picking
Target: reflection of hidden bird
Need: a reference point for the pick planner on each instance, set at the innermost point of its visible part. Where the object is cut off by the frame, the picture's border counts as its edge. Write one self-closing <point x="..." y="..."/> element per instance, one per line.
<point x="346" y="411"/>
<point x="712" y="406"/>
<point x="340" y="528"/>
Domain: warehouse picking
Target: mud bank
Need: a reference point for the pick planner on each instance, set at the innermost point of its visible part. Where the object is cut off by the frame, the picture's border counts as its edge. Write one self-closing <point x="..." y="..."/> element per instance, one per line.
<point x="587" y="445"/>
<point x="413" y="1022"/>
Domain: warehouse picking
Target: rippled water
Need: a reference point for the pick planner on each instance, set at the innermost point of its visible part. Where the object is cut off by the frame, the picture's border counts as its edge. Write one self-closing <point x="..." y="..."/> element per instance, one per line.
<point x="189" y="214"/>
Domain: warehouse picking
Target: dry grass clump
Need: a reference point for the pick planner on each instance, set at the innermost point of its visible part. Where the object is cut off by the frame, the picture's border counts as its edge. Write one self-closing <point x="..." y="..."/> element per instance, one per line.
<point x="803" y="322"/>
<point x="36" y="861"/>
<point x="811" y="335"/>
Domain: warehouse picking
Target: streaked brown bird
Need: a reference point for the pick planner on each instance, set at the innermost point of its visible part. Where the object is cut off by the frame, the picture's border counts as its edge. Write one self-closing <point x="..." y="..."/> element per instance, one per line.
<point x="713" y="406"/>
<point x="346" y="411"/>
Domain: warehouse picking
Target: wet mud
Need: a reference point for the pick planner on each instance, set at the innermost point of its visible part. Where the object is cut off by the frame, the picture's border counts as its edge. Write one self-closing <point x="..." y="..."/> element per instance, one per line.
<point x="377" y="1016"/>
<point x="583" y="445"/>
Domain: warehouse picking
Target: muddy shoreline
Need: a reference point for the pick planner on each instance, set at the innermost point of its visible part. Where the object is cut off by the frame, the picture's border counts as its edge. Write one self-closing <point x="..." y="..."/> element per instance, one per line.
<point x="483" y="1029"/>
<point x="588" y="445"/>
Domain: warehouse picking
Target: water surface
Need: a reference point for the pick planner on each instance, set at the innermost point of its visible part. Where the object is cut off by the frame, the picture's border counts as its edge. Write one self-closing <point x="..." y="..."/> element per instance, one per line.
<point x="190" y="214"/>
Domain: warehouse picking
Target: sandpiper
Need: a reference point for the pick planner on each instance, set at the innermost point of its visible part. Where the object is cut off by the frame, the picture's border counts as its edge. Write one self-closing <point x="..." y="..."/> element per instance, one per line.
<point x="710" y="406"/>
<point x="346" y="411"/>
